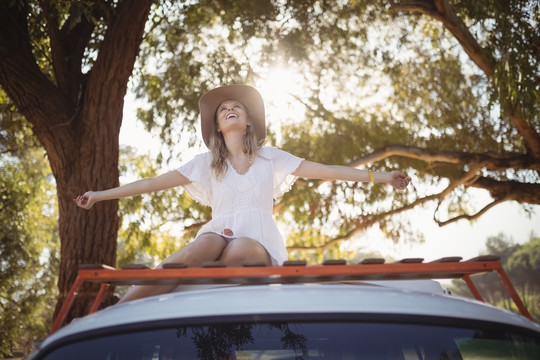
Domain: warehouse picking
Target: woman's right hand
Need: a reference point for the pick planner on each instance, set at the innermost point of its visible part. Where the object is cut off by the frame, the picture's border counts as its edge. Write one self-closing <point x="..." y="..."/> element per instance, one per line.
<point x="86" y="200"/>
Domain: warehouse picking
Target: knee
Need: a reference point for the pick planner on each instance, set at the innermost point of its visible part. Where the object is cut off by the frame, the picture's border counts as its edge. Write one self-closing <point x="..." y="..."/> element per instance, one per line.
<point x="207" y="247"/>
<point x="242" y="250"/>
<point x="208" y="240"/>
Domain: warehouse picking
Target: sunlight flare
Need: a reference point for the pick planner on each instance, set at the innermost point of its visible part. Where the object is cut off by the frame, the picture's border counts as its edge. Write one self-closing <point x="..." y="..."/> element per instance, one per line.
<point x="282" y="88"/>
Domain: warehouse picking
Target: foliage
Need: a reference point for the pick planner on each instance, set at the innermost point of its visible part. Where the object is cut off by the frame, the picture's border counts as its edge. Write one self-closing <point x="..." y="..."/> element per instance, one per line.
<point x="15" y="134"/>
<point x="66" y="65"/>
<point x="28" y="237"/>
<point x="514" y="42"/>
<point x="453" y="103"/>
<point x="368" y="78"/>
<point x="522" y="265"/>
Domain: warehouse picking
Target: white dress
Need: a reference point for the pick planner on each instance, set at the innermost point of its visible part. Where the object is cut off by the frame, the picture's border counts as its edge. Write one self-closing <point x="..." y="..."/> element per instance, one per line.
<point x="242" y="203"/>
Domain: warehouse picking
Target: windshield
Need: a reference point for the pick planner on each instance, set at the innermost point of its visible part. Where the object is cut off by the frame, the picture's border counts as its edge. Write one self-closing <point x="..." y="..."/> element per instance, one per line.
<point x="305" y="340"/>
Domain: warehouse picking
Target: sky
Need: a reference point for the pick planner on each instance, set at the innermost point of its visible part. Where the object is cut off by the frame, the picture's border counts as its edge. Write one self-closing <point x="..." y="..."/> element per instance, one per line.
<point x="463" y="238"/>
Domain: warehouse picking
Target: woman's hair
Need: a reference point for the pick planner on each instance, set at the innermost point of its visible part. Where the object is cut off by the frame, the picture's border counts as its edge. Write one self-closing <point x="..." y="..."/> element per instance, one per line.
<point x="219" y="152"/>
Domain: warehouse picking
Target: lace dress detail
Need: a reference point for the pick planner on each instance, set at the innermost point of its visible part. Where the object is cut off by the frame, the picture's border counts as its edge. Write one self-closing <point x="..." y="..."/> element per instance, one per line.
<point x="242" y="203"/>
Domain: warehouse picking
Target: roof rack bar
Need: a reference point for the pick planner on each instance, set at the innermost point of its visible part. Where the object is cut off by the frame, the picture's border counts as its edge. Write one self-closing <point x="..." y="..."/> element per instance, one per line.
<point x="472" y="287"/>
<point x="99" y="297"/>
<point x="293" y="272"/>
<point x="512" y="291"/>
<point x="272" y="274"/>
<point x="68" y="303"/>
<point x="507" y="284"/>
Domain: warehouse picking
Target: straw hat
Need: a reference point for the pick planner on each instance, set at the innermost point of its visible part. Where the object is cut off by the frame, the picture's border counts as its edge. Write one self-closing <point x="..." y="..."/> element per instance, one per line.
<point x="247" y="95"/>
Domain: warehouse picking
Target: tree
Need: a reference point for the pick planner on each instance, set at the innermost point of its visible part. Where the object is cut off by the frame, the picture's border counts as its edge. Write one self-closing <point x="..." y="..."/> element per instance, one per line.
<point x="28" y="237"/>
<point x="451" y="103"/>
<point x="524" y="265"/>
<point x="65" y="65"/>
<point x="507" y="54"/>
<point x="449" y="95"/>
<point x="521" y="263"/>
<point x="502" y="40"/>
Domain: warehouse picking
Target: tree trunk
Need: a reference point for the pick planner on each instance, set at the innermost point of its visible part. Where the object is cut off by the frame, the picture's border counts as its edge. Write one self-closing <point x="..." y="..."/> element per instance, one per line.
<point x="77" y="118"/>
<point x="88" y="236"/>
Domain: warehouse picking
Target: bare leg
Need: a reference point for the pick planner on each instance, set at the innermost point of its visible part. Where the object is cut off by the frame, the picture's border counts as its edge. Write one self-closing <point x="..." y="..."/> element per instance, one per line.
<point x="240" y="250"/>
<point x="208" y="247"/>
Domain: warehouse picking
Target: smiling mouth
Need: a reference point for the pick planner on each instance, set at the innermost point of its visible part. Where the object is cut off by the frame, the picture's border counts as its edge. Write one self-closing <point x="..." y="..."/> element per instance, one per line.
<point x="231" y="116"/>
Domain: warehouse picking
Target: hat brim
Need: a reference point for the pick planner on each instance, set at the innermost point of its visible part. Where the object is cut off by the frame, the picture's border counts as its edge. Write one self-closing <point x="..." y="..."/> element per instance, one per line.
<point x="247" y="95"/>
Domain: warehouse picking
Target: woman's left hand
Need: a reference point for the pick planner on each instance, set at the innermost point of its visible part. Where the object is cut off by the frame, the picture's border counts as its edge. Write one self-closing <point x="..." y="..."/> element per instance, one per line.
<point x="399" y="180"/>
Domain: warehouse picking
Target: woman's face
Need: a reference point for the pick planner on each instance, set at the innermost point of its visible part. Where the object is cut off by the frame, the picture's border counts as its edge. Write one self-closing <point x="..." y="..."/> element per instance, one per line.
<point x="232" y="115"/>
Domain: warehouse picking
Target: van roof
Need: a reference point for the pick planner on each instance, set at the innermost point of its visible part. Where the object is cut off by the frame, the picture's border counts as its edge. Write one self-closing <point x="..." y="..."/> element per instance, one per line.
<point x="231" y="301"/>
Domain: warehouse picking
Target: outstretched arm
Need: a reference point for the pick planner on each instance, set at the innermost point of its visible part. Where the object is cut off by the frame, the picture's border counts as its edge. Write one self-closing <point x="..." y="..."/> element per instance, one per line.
<point x="314" y="170"/>
<point x="143" y="186"/>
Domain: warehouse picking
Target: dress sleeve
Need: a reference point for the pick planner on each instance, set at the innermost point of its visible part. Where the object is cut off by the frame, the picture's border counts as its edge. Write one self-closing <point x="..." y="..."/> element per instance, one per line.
<point x="283" y="164"/>
<point x="198" y="172"/>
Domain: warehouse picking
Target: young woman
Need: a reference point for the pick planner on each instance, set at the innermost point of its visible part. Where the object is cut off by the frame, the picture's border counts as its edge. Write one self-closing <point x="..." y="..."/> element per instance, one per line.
<point x="239" y="179"/>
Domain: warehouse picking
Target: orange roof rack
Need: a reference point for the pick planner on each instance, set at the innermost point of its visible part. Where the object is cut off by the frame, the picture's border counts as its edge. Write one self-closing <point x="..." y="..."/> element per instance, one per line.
<point x="290" y="272"/>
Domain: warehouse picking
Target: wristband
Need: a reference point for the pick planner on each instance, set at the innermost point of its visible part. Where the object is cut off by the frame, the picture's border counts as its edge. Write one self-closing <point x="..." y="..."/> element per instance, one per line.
<point x="371" y="177"/>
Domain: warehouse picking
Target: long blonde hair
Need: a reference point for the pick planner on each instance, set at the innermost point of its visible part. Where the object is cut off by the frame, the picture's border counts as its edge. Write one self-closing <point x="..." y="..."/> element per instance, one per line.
<point x="219" y="152"/>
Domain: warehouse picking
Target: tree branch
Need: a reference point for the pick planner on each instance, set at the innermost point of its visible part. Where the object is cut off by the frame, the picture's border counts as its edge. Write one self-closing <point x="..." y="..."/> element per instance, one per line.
<point x="531" y="138"/>
<point x="511" y="190"/>
<point x="20" y="77"/>
<point x="68" y="45"/>
<point x="491" y="161"/>
<point x="362" y="224"/>
<point x="119" y="49"/>
<point x="473" y="216"/>
<point x="442" y="11"/>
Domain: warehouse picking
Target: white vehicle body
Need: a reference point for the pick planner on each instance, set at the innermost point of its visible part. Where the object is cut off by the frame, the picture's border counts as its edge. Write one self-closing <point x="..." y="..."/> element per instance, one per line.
<point x="298" y="321"/>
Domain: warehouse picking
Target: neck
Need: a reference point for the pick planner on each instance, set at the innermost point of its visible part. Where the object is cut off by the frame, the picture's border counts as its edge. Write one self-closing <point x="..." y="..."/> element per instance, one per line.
<point x="234" y="142"/>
